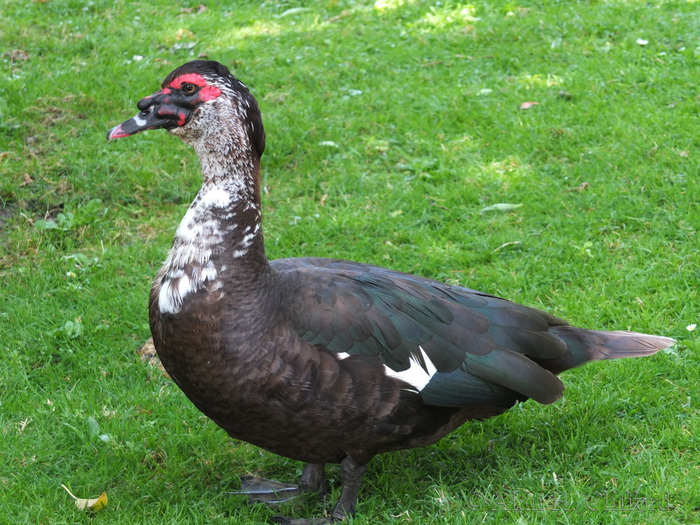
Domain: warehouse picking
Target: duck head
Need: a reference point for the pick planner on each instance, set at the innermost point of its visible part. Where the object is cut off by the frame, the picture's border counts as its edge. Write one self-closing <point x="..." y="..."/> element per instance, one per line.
<point x="196" y="101"/>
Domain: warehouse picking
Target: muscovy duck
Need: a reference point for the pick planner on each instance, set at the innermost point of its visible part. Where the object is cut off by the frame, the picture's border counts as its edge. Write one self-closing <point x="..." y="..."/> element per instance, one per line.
<point x="323" y="360"/>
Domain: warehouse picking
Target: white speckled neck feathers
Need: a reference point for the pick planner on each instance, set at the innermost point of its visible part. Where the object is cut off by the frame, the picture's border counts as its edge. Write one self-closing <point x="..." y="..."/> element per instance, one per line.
<point x="222" y="224"/>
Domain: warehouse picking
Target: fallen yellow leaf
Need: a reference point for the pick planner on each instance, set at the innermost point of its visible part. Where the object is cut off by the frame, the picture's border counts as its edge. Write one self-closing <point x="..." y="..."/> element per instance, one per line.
<point x="93" y="504"/>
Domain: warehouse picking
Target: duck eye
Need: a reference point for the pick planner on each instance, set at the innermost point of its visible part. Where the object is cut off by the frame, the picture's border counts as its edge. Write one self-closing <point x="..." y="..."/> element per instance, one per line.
<point x="189" y="89"/>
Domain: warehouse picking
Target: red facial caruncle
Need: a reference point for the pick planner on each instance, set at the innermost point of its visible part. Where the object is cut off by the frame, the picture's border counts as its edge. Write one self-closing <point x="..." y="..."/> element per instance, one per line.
<point x="169" y="108"/>
<point x="207" y="92"/>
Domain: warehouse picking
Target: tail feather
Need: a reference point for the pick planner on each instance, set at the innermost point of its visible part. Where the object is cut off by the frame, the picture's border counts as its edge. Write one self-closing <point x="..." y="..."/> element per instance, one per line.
<point x="592" y="345"/>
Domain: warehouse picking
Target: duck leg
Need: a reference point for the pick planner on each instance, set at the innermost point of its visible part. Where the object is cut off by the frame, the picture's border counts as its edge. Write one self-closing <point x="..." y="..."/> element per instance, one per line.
<point x="313" y="478"/>
<point x="352" y="475"/>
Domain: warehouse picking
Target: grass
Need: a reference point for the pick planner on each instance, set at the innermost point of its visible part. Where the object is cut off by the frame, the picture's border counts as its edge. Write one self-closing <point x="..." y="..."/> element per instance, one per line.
<point x="390" y="127"/>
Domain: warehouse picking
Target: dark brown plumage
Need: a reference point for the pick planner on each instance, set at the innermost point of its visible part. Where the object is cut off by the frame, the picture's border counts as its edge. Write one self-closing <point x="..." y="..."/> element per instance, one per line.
<point x="320" y="360"/>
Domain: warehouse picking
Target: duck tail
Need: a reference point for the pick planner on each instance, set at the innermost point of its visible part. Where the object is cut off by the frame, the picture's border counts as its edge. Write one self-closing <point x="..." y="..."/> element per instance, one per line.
<point x="592" y="345"/>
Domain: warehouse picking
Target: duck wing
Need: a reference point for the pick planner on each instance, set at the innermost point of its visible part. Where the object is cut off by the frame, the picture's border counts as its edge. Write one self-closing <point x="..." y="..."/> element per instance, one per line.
<point x="455" y="346"/>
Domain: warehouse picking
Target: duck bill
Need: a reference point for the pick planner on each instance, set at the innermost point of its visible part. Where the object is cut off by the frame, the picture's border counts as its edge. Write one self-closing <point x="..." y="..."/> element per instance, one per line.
<point x="159" y="111"/>
<point x="145" y="120"/>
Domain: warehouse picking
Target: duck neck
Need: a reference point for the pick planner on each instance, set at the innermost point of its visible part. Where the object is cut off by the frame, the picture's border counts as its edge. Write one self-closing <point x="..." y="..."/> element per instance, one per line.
<point x="219" y="235"/>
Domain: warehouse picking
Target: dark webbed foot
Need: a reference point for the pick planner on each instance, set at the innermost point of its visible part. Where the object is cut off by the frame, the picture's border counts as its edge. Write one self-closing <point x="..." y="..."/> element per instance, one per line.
<point x="261" y="490"/>
<point x="352" y="475"/>
<point x="312" y="480"/>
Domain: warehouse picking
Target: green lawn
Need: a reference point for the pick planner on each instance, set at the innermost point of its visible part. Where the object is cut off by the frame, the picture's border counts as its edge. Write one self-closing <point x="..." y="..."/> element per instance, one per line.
<point x="391" y="127"/>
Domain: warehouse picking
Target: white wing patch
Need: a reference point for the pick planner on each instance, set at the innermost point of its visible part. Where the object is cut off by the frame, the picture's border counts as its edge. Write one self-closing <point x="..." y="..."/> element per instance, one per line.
<point x="418" y="374"/>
